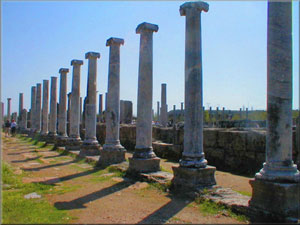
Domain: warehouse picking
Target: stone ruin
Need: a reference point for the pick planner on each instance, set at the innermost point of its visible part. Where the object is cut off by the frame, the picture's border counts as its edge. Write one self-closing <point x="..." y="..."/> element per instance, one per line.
<point x="277" y="182"/>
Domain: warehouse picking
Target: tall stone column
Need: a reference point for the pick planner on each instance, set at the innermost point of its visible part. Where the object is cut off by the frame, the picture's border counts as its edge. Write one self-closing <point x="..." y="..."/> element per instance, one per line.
<point x="193" y="171"/>
<point x="174" y="114"/>
<point x="38" y="108"/>
<point x="80" y="110"/>
<point x="113" y="151"/>
<point x="90" y="144"/>
<point x="144" y="159"/>
<point x="181" y="109"/>
<point x="45" y="108"/>
<point x="61" y="138"/>
<point x="32" y="108"/>
<point x="9" y="109"/>
<point x="74" y="141"/>
<point x="100" y="107"/>
<point x="53" y="110"/>
<point x="157" y="111"/>
<point x="279" y="179"/>
<point x="223" y="113"/>
<point x="21" y="98"/>
<point x="23" y="120"/>
<point x="164" y="113"/>
<point x="241" y="115"/>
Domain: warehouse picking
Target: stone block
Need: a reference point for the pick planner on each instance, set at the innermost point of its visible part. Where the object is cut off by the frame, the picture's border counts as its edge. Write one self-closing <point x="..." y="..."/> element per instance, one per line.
<point x="73" y="144"/>
<point x="281" y="199"/>
<point x="191" y="179"/>
<point x="60" y="141"/>
<point x="210" y="137"/>
<point x="113" y="156"/>
<point x="89" y="150"/>
<point x="140" y="165"/>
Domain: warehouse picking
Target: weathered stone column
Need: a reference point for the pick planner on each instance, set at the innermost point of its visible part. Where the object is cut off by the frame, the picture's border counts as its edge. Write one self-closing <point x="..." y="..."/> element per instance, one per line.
<point x="90" y="144"/>
<point x="45" y="109"/>
<point x="241" y="115"/>
<point x="113" y="151"/>
<point x="144" y="159"/>
<point x="164" y="112"/>
<point x="21" y="98"/>
<point x="157" y="111"/>
<point x="181" y="109"/>
<point x="32" y="108"/>
<point x="80" y="109"/>
<point x="68" y="112"/>
<point x="23" y="120"/>
<point x="223" y="113"/>
<point x="9" y="109"/>
<point x="53" y="110"/>
<point x="100" y="107"/>
<point x="278" y="180"/>
<point x="61" y="138"/>
<point x="74" y="141"/>
<point x="174" y="114"/>
<point x="193" y="171"/>
<point x="38" y="107"/>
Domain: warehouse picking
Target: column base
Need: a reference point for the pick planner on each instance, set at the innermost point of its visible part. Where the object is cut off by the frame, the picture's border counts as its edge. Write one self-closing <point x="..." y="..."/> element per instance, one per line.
<point x="91" y="149"/>
<point x="192" y="179"/>
<point x="73" y="144"/>
<point x="279" y="173"/>
<point x="43" y="137"/>
<point x="60" y="141"/>
<point x="111" y="155"/>
<point x="51" y="137"/>
<point x="277" y="199"/>
<point x="193" y="162"/>
<point x="140" y="165"/>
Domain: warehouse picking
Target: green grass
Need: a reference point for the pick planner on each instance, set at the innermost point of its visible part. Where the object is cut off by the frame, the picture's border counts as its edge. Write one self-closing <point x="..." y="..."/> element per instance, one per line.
<point x="245" y="193"/>
<point x="209" y="207"/>
<point x="64" y="189"/>
<point x="18" y="210"/>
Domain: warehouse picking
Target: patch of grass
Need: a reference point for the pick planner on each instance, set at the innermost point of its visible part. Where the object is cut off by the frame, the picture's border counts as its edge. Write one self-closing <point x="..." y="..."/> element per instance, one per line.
<point x="209" y="207"/>
<point x="245" y="193"/>
<point x="165" y="170"/>
<point x="39" y="161"/>
<point x="18" y="210"/>
<point x="161" y="187"/>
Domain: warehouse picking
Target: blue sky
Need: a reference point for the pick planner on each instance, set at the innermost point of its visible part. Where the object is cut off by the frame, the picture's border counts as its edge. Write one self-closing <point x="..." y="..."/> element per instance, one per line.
<point x="38" y="38"/>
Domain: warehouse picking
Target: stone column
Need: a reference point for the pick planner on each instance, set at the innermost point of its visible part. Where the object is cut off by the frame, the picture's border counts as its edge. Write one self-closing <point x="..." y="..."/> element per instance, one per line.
<point x="113" y="151"/>
<point x="105" y="101"/>
<point x="100" y="107"/>
<point x="32" y="108"/>
<point x="181" y="110"/>
<point x="158" y="111"/>
<point x="90" y="144"/>
<point x="9" y="109"/>
<point x="174" y="114"/>
<point x="247" y="115"/>
<point x="279" y="179"/>
<point x="74" y="141"/>
<point x="193" y="171"/>
<point x="21" y="98"/>
<point x="210" y="115"/>
<point x="62" y="109"/>
<point x="2" y="113"/>
<point x="45" y="108"/>
<point x="38" y="106"/>
<point x="69" y="112"/>
<point x="23" y="120"/>
<point x="217" y="114"/>
<point x="164" y="113"/>
<point x="223" y="113"/>
<point x="53" y="109"/>
<point x="80" y="109"/>
<point x="241" y="115"/>
<point x="144" y="159"/>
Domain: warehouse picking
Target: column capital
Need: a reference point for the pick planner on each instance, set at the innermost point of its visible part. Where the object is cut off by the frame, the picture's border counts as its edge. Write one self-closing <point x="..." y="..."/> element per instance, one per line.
<point x="63" y="70"/>
<point x="90" y="55"/>
<point x="53" y="77"/>
<point x="199" y="6"/>
<point x="76" y="62"/>
<point x="146" y="27"/>
<point x="114" y="41"/>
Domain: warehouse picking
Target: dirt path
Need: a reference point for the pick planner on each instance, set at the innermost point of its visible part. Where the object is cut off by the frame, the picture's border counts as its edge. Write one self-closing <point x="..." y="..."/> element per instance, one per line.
<point x="101" y="196"/>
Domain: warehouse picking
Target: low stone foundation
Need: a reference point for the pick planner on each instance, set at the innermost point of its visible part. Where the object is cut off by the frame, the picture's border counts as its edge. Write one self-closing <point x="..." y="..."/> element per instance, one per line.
<point x="89" y="150"/>
<point x="108" y="157"/>
<point x="140" y="165"/>
<point x="73" y="144"/>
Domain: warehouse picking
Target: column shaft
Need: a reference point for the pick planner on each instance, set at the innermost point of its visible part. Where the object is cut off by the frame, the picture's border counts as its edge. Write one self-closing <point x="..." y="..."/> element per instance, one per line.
<point x="53" y="106"/>
<point x="45" y="107"/>
<point x="164" y="111"/>
<point x="38" y="106"/>
<point x="62" y="111"/>
<point x="33" y="108"/>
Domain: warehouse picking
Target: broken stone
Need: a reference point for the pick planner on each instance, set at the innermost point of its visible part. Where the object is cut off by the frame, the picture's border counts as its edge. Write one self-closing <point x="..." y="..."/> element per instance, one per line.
<point x="32" y="195"/>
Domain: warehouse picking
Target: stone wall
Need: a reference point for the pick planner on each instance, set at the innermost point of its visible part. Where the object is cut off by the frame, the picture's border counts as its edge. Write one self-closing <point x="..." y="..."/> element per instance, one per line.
<point x="235" y="150"/>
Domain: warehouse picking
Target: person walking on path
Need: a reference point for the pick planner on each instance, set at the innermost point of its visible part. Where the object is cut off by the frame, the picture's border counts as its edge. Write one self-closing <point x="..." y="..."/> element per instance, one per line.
<point x="13" y="127"/>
